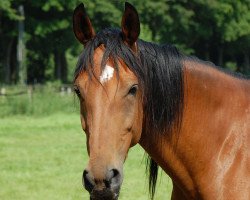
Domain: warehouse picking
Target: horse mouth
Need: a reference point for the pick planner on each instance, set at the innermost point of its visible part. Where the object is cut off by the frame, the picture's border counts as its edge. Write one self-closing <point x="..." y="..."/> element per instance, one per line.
<point x="104" y="194"/>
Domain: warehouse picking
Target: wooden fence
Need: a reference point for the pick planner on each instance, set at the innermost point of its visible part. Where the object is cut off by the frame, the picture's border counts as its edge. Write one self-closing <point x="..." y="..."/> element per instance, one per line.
<point x="6" y="91"/>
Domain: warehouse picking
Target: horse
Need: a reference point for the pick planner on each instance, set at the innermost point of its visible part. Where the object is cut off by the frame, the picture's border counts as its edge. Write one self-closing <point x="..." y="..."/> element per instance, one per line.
<point x="191" y="117"/>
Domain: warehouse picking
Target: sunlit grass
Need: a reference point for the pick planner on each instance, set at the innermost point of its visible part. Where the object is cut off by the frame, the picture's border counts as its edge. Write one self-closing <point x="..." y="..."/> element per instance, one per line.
<point x="43" y="158"/>
<point x="41" y="100"/>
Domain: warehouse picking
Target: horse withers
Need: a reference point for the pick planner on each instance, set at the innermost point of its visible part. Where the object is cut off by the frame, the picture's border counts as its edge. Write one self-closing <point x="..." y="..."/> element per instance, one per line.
<point x="192" y="118"/>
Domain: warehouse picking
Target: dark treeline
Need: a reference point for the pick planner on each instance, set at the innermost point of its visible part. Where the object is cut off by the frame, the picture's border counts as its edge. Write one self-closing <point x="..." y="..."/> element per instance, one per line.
<point x="215" y="30"/>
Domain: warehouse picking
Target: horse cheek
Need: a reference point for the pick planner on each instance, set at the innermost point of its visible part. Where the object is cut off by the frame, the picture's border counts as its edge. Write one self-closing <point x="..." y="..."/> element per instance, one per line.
<point x="136" y="129"/>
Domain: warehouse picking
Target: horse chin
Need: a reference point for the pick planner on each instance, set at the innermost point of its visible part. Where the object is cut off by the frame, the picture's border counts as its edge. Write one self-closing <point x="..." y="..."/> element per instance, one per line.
<point x="104" y="194"/>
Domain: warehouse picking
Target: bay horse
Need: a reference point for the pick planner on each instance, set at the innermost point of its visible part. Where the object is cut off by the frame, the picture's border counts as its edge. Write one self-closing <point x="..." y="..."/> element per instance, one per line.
<point x="192" y="118"/>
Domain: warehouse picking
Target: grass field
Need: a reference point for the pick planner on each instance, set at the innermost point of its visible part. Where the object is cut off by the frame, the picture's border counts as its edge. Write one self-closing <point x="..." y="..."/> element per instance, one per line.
<point x="42" y="157"/>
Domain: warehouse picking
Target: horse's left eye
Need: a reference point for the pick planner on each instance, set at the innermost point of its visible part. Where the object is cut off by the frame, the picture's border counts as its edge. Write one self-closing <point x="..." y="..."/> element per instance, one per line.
<point x="133" y="90"/>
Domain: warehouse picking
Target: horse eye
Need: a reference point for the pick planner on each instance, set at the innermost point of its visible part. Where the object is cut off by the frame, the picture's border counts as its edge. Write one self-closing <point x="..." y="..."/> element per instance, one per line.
<point x="77" y="91"/>
<point x="133" y="90"/>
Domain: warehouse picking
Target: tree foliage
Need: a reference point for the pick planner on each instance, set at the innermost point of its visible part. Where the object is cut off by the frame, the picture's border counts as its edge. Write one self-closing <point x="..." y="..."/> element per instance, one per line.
<point x="216" y="30"/>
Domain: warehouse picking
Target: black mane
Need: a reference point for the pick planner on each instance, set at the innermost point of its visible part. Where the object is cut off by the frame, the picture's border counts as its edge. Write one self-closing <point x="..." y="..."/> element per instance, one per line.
<point x="160" y="74"/>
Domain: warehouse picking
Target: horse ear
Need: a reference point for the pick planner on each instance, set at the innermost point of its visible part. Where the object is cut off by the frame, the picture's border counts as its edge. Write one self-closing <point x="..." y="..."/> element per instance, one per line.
<point x="130" y="25"/>
<point x="81" y="25"/>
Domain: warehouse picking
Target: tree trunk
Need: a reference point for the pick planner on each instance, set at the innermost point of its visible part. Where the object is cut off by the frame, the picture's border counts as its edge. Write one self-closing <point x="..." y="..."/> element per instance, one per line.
<point x="207" y="53"/>
<point x="13" y="62"/>
<point x="220" y="56"/>
<point x="61" y="68"/>
<point x="246" y="63"/>
<point x="22" y="73"/>
<point x="58" y="65"/>
<point x="64" y="67"/>
<point x="7" y="64"/>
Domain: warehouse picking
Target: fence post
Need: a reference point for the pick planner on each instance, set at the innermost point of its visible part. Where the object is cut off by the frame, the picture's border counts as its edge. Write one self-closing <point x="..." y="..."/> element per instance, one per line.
<point x="3" y="91"/>
<point x="30" y="93"/>
<point x="3" y="94"/>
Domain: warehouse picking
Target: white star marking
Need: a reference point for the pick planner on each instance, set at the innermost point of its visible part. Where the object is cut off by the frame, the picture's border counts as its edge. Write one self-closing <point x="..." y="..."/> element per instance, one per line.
<point x="107" y="74"/>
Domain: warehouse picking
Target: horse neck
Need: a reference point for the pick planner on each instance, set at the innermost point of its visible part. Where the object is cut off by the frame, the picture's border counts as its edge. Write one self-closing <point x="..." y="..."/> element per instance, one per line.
<point x="208" y="97"/>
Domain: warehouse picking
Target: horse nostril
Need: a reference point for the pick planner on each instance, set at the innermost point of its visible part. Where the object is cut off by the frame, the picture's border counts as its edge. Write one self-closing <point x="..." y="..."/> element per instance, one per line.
<point x="115" y="172"/>
<point x="88" y="181"/>
<point x="113" y="178"/>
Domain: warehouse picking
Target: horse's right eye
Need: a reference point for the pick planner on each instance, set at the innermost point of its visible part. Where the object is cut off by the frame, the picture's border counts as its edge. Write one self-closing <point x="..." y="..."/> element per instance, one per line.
<point x="77" y="91"/>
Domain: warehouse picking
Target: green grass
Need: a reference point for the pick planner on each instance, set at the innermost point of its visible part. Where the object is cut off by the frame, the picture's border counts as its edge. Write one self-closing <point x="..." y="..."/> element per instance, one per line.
<point x="43" y="152"/>
<point x="44" y="101"/>
<point x="42" y="157"/>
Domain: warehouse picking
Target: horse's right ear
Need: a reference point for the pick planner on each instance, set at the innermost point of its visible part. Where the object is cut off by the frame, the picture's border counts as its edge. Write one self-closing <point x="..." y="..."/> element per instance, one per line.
<point x="81" y="25"/>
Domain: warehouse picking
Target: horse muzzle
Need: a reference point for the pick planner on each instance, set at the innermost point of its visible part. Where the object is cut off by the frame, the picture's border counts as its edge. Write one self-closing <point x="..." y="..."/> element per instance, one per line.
<point x="103" y="189"/>
<point x="104" y="194"/>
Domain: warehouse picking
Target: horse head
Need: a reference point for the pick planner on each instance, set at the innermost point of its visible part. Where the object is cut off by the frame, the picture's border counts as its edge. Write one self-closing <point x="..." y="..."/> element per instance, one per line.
<point x="110" y="101"/>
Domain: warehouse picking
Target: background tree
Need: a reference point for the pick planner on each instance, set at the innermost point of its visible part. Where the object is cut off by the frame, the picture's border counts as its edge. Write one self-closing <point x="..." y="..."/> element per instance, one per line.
<point x="8" y="41"/>
<point x="215" y="30"/>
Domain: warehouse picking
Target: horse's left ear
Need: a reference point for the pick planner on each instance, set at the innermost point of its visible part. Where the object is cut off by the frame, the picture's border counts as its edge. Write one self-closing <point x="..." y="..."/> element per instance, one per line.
<point x="82" y="26"/>
<point x="130" y="25"/>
